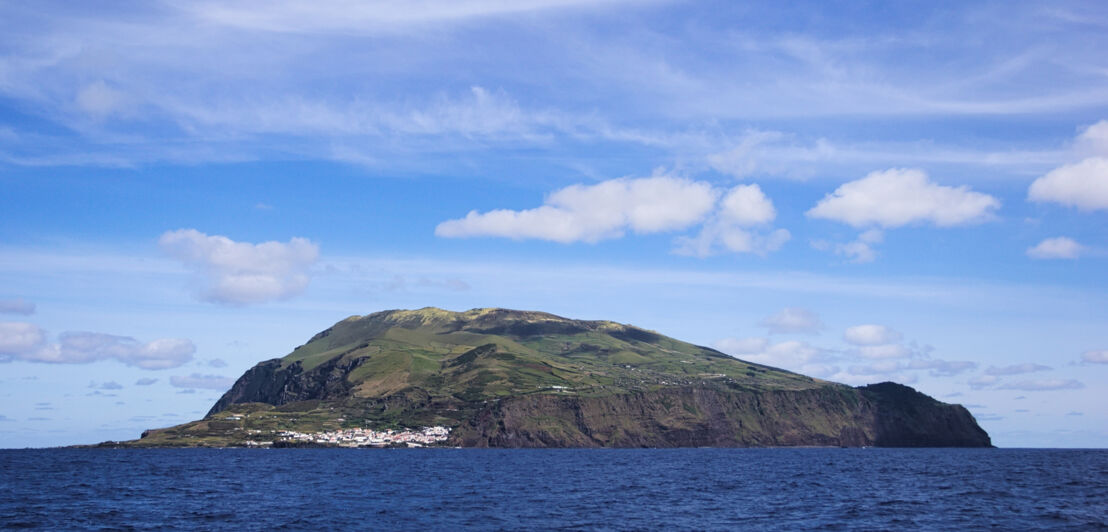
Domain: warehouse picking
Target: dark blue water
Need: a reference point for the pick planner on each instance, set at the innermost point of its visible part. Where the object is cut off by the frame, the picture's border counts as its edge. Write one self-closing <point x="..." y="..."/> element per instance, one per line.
<point x="703" y="489"/>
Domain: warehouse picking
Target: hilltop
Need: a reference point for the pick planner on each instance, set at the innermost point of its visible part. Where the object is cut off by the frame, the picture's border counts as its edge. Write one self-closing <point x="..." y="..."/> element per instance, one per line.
<point x="506" y="378"/>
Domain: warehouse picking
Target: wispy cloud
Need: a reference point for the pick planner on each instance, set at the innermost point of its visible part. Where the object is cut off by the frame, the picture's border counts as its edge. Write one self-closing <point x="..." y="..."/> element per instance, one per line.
<point x="146" y="83"/>
<point x="27" y="342"/>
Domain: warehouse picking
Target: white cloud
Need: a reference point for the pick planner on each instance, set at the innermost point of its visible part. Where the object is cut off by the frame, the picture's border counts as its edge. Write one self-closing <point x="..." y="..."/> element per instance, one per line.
<point x="898" y="197"/>
<point x="1056" y="248"/>
<point x="239" y="273"/>
<point x="793" y="320"/>
<point x="26" y="342"/>
<point x="1095" y="357"/>
<point x="1044" y="385"/>
<point x="870" y="334"/>
<point x="1083" y="185"/>
<point x="729" y="229"/>
<point x="207" y="382"/>
<point x="1094" y="139"/>
<point x="16" y="306"/>
<point x="742" y="346"/>
<point x="746" y="205"/>
<point x="84" y="347"/>
<point x="591" y="213"/>
<point x="145" y="381"/>
<point x="17" y="338"/>
<point x="1016" y="369"/>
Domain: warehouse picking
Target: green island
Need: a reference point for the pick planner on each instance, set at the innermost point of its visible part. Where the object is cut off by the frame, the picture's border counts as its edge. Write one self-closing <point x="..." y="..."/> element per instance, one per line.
<point x="507" y="378"/>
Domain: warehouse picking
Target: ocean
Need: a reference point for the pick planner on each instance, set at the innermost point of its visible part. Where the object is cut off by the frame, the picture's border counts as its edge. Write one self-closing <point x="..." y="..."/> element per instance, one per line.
<point x="564" y="489"/>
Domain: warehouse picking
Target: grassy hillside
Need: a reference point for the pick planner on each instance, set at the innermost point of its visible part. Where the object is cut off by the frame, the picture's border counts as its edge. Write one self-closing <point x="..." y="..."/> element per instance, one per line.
<point x="489" y="353"/>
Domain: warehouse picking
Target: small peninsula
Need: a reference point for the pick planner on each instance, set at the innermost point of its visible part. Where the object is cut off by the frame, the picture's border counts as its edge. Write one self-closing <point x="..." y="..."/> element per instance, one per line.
<point x="507" y="378"/>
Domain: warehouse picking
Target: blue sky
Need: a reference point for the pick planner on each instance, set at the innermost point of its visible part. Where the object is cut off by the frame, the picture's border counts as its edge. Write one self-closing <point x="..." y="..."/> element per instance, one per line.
<point x="861" y="192"/>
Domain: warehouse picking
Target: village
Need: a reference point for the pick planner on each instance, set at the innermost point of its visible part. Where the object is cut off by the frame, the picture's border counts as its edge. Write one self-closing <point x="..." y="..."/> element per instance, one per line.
<point x="361" y="437"/>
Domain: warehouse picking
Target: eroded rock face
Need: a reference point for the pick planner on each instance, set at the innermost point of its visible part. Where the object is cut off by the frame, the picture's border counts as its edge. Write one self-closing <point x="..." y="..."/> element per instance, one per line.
<point x="269" y="382"/>
<point x="699" y="417"/>
<point x="907" y="418"/>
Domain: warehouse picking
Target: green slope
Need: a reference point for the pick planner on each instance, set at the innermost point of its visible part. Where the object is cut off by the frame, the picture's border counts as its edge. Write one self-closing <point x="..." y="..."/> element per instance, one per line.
<point x="490" y="353"/>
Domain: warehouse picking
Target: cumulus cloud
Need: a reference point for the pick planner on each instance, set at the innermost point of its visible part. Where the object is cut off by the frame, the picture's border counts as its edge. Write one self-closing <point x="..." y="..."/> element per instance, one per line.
<point x="1017" y="369"/>
<point x="1095" y="357"/>
<point x="747" y="205"/>
<point x="1044" y="385"/>
<point x="27" y="342"/>
<point x="1083" y="185"/>
<point x="1056" y="248"/>
<point x="16" y="306"/>
<point x="1094" y="139"/>
<point x="898" y="197"/>
<point x="17" y="338"/>
<point x="734" y="221"/>
<point x="207" y="382"/>
<point x="871" y="335"/>
<point x="730" y="228"/>
<point x="591" y="213"/>
<point x="110" y="385"/>
<point x="145" y="381"/>
<point x="793" y="320"/>
<point x="240" y="273"/>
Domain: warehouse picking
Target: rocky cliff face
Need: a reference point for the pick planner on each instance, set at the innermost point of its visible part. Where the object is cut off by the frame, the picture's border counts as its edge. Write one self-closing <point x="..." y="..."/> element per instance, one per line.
<point x="270" y="383"/>
<point x="705" y="417"/>
<point x="524" y="379"/>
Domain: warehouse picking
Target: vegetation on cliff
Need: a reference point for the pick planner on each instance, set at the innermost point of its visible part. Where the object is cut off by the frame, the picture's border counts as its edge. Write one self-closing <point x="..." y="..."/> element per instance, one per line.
<point x="508" y="378"/>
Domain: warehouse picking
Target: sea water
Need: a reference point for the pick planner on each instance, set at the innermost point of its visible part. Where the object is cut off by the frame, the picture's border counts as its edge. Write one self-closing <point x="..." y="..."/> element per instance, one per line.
<point x="575" y="489"/>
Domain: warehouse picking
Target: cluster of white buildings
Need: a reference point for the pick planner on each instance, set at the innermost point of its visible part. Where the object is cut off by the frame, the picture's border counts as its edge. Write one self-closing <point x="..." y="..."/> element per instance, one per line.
<point x="370" y="438"/>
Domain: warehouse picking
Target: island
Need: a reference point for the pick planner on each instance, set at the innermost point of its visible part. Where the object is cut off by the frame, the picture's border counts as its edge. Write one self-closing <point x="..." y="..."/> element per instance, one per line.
<point x="507" y="378"/>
